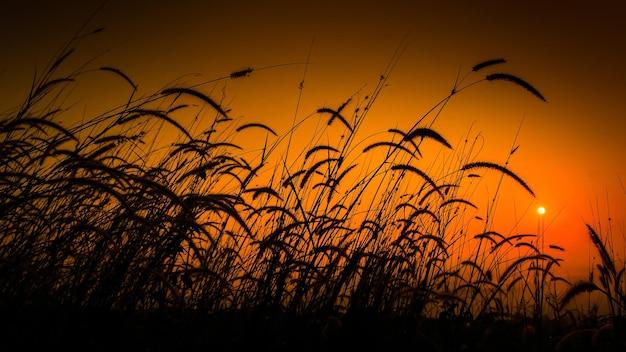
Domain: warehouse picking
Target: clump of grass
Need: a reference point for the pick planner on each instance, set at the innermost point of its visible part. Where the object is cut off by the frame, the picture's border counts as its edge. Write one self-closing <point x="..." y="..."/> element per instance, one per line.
<point x="601" y="333"/>
<point x="135" y="211"/>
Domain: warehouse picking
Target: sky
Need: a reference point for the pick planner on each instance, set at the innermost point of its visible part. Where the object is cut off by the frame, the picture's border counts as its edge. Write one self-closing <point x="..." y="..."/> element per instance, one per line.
<point x="571" y="148"/>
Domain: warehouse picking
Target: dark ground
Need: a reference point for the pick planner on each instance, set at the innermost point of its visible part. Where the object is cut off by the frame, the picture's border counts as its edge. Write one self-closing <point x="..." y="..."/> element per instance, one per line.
<point x="61" y="329"/>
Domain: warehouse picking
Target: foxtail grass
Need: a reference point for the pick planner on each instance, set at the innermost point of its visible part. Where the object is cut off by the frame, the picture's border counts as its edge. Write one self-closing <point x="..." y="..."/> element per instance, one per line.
<point x="136" y="210"/>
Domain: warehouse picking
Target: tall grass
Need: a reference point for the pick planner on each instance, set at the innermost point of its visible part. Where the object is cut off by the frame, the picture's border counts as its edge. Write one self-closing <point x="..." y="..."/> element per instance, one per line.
<point x="599" y="331"/>
<point x="133" y="210"/>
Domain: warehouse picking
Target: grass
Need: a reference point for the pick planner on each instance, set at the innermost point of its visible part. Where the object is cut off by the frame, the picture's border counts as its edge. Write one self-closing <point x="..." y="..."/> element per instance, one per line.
<point x="134" y="230"/>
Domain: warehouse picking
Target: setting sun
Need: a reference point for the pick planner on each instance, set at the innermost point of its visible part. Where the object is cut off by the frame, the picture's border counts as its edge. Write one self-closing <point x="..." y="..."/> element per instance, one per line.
<point x="541" y="210"/>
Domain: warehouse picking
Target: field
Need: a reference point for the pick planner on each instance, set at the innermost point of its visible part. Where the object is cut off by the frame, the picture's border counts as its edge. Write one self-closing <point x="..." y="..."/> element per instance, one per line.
<point x="132" y="230"/>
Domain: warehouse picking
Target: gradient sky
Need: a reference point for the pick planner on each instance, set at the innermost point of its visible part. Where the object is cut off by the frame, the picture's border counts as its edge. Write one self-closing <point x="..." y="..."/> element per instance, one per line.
<point x="572" y="148"/>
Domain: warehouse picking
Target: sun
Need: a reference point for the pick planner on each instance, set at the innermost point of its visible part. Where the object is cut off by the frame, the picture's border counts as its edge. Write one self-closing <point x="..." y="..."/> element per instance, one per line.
<point x="541" y="210"/>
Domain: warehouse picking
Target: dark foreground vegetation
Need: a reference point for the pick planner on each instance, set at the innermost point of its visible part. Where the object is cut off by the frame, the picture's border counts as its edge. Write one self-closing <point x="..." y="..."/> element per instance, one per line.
<point x="150" y="227"/>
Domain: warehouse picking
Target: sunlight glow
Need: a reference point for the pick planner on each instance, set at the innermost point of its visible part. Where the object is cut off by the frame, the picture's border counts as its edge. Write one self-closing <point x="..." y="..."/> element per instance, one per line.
<point x="541" y="210"/>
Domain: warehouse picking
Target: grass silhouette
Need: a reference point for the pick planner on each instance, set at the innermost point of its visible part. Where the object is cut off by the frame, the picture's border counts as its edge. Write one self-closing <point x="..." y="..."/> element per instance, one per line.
<point x="121" y="234"/>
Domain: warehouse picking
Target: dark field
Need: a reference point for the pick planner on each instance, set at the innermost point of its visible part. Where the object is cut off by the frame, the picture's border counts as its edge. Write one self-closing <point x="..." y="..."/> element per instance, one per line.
<point x="71" y="330"/>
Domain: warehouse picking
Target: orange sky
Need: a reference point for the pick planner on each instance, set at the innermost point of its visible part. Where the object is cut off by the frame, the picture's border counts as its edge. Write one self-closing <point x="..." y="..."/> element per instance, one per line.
<point x="571" y="149"/>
